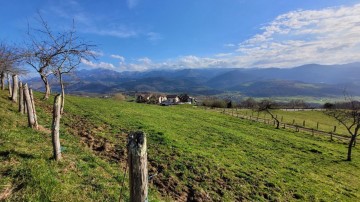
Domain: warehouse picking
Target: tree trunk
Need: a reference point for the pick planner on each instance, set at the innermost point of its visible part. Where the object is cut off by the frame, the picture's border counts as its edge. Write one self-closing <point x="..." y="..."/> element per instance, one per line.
<point x="21" y="98"/>
<point x="29" y="106"/>
<point x="2" y="80"/>
<point x="47" y="86"/>
<point x="350" y="146"/>
<point x="138" y="172"/>
<point x="277" y="124"/>
<point x="62" y="94"/>
<point x="15" y="88"/>
<point x="55" y="132"/>
<point x="9" y="85"/>
<point x="33" y="108"/>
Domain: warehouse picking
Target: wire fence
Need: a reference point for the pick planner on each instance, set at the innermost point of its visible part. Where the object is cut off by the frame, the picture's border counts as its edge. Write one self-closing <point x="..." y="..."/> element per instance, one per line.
<point x="296" y="127"/>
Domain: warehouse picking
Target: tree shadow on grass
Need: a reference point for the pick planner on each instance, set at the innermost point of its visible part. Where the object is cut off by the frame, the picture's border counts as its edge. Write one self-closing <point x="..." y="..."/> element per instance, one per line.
<point x="7" y="153"/>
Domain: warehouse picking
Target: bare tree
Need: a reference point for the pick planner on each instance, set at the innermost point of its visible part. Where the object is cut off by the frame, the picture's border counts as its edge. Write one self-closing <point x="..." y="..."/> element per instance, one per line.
<point x="348" y="115"/>
<point x="56" y="53"/>
<point x="267" y="106"/>
<point x="11" y="58"/>
<point x="43" y="50"/>
<point x="75" y="51"/>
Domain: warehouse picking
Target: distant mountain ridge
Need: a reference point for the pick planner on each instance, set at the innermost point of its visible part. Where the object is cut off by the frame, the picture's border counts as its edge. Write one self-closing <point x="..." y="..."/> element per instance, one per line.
<point x="306" y="80"/>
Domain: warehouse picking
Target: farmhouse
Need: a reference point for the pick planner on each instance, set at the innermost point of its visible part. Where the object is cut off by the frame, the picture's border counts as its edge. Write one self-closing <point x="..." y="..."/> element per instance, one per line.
<point x="150" y="98"/>
<point x="173" y="99"/>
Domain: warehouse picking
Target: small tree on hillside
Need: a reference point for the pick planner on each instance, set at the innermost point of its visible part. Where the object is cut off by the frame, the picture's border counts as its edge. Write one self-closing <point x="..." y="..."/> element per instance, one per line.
<point x="348" y="115"/>
<point x="267" y="106"/>
<point x="10" y="60"/>
<point x="249" y="103"/>
<point x="75" y="50"/>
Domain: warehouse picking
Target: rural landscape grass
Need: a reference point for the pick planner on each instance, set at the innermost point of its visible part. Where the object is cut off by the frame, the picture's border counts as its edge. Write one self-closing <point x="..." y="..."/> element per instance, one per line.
<point x="193" y="154"/>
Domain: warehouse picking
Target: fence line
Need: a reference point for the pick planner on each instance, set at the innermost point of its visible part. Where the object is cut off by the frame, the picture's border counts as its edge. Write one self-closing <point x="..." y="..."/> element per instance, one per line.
<point x="293" y="126"/>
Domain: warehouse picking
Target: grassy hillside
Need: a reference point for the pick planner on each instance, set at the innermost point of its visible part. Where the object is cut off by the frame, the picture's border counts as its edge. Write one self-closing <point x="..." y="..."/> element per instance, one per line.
<point x="193" y="155"/>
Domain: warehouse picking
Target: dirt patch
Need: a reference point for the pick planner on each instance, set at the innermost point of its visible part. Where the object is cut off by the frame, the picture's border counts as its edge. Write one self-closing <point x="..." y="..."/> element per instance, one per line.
<point x="6" y="193"/>
<point x="102" y="146"/>
<point x="43" y="129"/>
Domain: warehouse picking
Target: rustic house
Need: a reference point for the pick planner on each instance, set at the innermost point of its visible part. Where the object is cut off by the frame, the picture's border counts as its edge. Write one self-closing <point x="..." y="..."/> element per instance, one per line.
<point x="142" y="98"/>
<point x="173" y="99"/>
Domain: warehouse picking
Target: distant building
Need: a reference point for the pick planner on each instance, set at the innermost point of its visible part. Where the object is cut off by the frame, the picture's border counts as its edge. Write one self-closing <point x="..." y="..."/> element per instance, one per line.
<point x="173" y="99"/>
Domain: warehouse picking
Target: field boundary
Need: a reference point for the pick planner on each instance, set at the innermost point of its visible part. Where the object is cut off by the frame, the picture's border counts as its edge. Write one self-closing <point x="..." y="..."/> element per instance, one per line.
<point x="295" y="127"/>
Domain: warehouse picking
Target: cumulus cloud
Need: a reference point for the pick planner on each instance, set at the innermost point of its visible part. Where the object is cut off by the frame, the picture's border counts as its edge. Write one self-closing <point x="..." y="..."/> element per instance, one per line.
<point x="327" y="36"/>
<point x="104" y="65"/>
<point x="119" y="57"/>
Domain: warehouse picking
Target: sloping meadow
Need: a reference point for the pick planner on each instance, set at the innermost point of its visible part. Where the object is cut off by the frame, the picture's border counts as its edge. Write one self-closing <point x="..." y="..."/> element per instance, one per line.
<point x="193" y="154"/>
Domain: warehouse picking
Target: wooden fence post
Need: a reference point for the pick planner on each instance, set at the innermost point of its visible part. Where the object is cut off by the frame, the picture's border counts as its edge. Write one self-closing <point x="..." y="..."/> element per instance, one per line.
<point x="15" y="88"/>
<point x="334" y="129"/>
<point x="284" y="125"/>
<point x="9" y="85"/>
<point x="29" y="107"/>
<point x="317" y="126"/>
<point x="55" y="129"/>
<point x="331" y="136"/>
<point x="33" y="107"/>
<point x="138" y="173"/>
<point x="304" y="123"/>
<point x="21" y="98"/>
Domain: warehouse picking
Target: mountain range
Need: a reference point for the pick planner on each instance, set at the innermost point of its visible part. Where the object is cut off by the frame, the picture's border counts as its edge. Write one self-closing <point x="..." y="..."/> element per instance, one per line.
<point x="307" y="80"/>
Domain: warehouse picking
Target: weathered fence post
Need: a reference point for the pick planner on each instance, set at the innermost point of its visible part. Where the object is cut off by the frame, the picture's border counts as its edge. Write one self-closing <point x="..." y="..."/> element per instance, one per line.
<point x="317" y="126"/>
<point x="284" y="125"/>
<point x="15" y="88"/>
<point x="304" y="123"/>
<point x="55" y="129"/>
<point x="331" y="136"/>
<point x="138" y="173"/>
<point x="2" y="75"/>
<point x="9" y="85"/>
<point x="33" y="107"/>
<point x="21" y="98"/>
<point x="334" y="129"/>
<point x="29" y="107"/>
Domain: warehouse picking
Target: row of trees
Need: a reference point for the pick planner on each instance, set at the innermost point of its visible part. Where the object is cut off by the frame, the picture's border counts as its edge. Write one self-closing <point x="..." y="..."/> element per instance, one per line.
<point x="48" y="53"/>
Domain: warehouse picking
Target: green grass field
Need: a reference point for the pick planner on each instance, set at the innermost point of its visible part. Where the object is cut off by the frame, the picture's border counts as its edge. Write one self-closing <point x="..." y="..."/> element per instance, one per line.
<point x="193" y="154"/>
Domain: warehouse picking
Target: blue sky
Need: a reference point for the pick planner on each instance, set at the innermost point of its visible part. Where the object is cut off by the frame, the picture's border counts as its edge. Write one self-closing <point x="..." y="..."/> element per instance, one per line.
<point x="155" y="34"/>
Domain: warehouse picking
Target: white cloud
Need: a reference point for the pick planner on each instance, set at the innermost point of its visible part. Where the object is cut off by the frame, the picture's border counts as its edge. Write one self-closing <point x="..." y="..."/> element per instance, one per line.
<point x="98" y="65"/>
<point x="132" y="3"/>
<point x="120" y="32"/>
<point x="154" y="37"/>
<point x="119" y="57"/>
<point x="327" y="36"/>
<point x="230" y="45"/>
